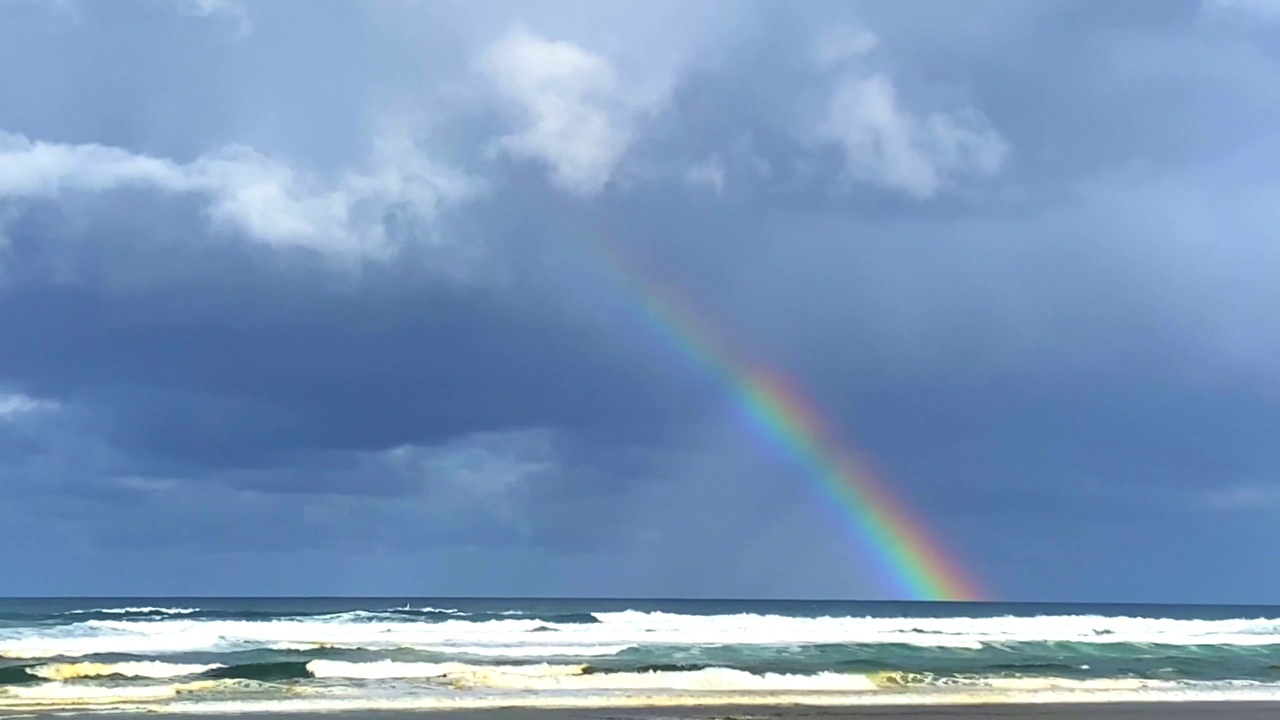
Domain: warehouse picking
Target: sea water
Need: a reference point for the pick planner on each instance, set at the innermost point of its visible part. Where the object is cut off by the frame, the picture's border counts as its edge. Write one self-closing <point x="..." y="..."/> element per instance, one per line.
<point x="238" y="655"/>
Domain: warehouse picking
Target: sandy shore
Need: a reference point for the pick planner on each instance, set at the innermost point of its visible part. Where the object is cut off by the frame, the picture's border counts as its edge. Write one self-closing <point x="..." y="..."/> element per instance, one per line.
<point x="1127" y="711"/>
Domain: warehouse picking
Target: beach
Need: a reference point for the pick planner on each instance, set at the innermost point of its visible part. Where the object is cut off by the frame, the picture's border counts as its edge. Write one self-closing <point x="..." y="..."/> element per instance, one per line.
<point x="1104" y="711"/>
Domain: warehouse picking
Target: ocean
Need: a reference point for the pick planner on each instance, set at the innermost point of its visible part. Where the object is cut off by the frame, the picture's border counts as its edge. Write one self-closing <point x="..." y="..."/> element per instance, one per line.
<point x="306" y="655"/>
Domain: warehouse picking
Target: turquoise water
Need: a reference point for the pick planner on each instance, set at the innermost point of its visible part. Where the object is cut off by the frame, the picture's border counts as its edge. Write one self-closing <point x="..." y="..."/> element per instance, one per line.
<point x="265" y="654"/>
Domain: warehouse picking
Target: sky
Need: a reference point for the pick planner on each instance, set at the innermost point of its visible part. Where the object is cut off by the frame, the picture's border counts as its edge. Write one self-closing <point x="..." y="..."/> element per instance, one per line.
<point x="346" y="298"/>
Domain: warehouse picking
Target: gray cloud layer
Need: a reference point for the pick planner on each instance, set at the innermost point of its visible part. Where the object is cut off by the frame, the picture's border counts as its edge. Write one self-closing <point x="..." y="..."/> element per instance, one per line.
<point x="312" y="297"/>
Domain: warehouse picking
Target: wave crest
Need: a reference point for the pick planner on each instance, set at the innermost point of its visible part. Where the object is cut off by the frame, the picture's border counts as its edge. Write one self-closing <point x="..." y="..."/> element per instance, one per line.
<point x="141" y="669"/>
<point x="611" y="633"/>
<point x="134" y="611"/>
<point x="390" y="669"/>
<point x="66" y="694"/>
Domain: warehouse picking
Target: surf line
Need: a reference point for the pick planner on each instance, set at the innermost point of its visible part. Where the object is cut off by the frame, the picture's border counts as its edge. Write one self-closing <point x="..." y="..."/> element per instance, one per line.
<point x="785" y="418"/>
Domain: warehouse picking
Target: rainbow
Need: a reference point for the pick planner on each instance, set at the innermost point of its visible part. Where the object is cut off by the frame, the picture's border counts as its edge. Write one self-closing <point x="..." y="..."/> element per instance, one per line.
<point x="784" y="418"/>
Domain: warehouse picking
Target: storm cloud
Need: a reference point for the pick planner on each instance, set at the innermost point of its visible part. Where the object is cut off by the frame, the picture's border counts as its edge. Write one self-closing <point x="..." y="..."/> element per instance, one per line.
<point x="327" y="298"/>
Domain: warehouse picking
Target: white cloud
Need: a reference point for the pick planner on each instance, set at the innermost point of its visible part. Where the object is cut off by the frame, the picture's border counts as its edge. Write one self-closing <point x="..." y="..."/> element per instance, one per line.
<point x="29" y="168"/>
<point x="842" y="44"/>
<point x="14" y="406"/>
<point x="709" y="174"/>
<point x="886" y="144"/>
<point x="230" y="10"/>
<point x="574" y="114"/>
<point x="209" y="8"/>
<point x="1266" y="10"/>
<point x="247" y="192"/>
<point x="1244" y="496"/>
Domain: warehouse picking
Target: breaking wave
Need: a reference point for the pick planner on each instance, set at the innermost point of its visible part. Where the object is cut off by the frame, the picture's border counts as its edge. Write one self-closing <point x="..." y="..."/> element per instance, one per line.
<point x="134" y="611"/>
<point x="388" y="669"/>
<point x="485" y="654"/>
<point x="613" y="632"/>
<point x="710" y="687"/>
<point x="705" y="680"/>
<point x="139" y="669"/>
<point x="692" y="699"/>
<point x="61" y="694"/>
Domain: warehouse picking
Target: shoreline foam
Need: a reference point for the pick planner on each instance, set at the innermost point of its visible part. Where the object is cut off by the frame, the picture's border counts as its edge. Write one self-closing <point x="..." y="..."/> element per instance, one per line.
<point x="1081" y="711"/>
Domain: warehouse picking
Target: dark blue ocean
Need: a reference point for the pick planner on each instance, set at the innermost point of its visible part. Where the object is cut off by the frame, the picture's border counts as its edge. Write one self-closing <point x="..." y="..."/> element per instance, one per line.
<point x="184" y="654"/>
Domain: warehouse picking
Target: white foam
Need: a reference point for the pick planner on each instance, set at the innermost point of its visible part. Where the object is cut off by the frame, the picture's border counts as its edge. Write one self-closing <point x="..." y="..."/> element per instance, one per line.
<point x="529" y="651"/>
<point x="389" y="669"/>
<point x="1026" y="684"/>
<point x="123" y="637"/>
<point x="1055" y="683"/>
<point x="134" y="611"/>
<point x="561" y="686"/>
<point x="390" y="615"/>
<point x="945" y="631"/>
<point x="544" y="676"/>
<point x="703" y="699"/>
<point x="495" y="637"/>
<point x="705" y="680"/>
<point x="68" y="694"/>
<point x="145" y="669"/>
<point x="513" y="637"/>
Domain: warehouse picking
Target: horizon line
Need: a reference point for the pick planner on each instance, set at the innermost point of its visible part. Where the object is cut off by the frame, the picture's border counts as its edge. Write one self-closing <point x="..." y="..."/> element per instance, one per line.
<point x="603" y="598"/>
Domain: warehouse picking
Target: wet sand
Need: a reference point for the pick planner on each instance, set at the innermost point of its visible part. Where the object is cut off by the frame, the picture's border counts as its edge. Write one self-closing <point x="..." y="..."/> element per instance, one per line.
<point x="1119" y="711"/>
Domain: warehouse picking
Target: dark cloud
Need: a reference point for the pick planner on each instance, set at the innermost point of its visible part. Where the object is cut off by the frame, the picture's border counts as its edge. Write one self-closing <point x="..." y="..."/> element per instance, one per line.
<point x="407" y="344"/>
<point x="241" y="364"/>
